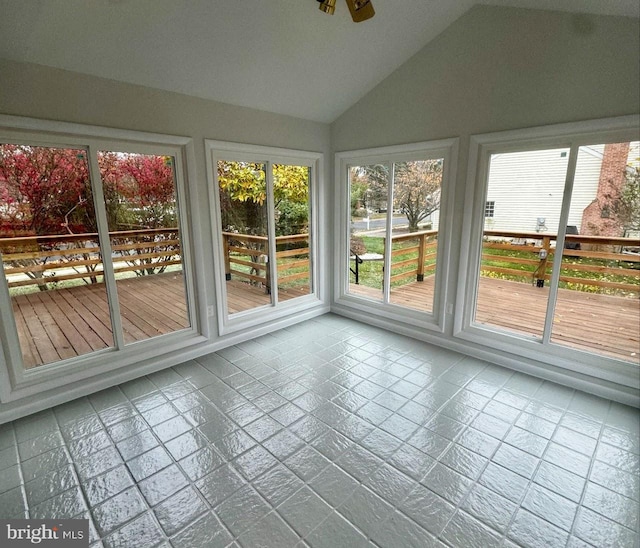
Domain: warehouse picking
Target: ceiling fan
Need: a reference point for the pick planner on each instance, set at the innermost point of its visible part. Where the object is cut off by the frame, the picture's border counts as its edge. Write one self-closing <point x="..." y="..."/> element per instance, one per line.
<point x="361" y="10"/>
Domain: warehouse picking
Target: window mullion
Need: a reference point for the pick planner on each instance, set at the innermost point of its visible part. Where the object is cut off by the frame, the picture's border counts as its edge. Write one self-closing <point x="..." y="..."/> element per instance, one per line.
<point x="9" y="338"/>
<point x="388" y="243"/>
<point x="557" y="257"/>
<point x="271" y="233"/>
<point x="105" y="247"/>
<point x="179" y="174"/>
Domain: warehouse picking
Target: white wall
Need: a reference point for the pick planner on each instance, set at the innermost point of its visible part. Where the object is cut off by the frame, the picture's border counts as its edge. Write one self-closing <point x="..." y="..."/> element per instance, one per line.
<point x="501" y="68"/>
<point x="496" y="69"/>
<point x="52" y="94"/>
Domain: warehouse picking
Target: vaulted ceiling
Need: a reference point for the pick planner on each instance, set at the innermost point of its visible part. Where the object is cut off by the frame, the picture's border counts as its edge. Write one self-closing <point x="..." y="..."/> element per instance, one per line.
<point x="282" y="56"/>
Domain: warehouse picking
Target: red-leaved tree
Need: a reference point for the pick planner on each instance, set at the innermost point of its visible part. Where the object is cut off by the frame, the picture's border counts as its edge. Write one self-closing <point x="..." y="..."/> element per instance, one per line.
<point x="44" y="191"/>
<point x="47" y="191"/>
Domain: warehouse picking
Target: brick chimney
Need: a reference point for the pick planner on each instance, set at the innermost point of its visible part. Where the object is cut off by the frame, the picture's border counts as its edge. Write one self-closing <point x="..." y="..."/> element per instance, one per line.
<point x="598" y="217"/>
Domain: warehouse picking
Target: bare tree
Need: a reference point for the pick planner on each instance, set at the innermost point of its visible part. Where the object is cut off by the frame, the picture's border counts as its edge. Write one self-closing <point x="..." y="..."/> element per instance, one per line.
<point x="416" y="191"/>
<point x="625" y="205"/>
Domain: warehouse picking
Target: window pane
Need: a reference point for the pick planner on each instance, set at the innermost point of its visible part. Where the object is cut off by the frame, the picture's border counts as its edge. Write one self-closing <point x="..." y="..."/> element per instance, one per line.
<point x="142" y="216"/>
<point x="597" y="308"/>
<point x="519" y="240"/>
<point x="243" y="210"/>
<point x="489" y="209"/>
<point x="292" y="222"/>
<point x="416" y="206"/>
<point x="368" y="187"/>
<point x="51" y="253"/>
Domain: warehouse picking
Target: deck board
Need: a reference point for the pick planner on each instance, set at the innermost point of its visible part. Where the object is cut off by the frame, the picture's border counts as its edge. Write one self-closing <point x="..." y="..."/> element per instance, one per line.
<point x="36" y="332"/>
<point x="65" y="327"/>
<point x="603" y="324"/>
<point x="29" y="350"/>
<point x="242" y="296"/>
<point x="93" y="340"/>
<point x="59" y="324"/>
<point x="152" y="308"/>
<point x="95" y="325"/>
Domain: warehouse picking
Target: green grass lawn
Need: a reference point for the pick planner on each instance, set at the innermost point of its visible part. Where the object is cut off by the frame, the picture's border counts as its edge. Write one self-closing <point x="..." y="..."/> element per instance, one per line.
<point x="567" y="270"/>
<point x="371" y="272"/>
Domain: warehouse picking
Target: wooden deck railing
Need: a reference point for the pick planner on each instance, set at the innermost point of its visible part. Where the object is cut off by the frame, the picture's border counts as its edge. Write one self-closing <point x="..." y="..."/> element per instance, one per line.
<point x="539" y="255"/>
<point x="44" y="260"/>
<point x="531" y="256"/>
<point x="425" y="245"/>
<point x="237" y="247"/>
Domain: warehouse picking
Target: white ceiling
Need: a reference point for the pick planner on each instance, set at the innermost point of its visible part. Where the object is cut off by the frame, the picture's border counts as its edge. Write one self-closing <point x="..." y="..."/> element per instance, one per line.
<point x="283" y="56"/>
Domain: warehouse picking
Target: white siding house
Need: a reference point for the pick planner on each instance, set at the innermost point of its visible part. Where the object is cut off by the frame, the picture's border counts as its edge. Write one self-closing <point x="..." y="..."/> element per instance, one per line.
<point x="525" y="188"/>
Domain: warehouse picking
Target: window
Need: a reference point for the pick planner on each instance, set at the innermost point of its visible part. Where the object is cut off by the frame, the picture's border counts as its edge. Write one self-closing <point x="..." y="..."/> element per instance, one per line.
<point x="552" y="276"/>
<point x="143" y="219"/>
<point x="531" y="187"/>
<point x="264" y="201"/>
<point x="51" y="254"/>
<point x="94" y="252"/>
<point x="393" y="225"/>
<point x="489" y="209"/>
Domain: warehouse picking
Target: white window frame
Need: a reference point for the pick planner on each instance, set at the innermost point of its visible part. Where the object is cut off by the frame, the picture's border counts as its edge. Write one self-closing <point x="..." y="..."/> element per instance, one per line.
<point x="571" y="136"/>
<point x="447" y="149"/>
<point x="223" y="150"/>
<point x="15" y="381"/>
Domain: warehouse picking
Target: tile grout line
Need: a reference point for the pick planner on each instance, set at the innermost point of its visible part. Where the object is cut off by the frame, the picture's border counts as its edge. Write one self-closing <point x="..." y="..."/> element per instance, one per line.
<point x="592" y="461"/>
<point x="136" y="483"/>
<point x="324" y="369"/>
<point x="489" y="460"/>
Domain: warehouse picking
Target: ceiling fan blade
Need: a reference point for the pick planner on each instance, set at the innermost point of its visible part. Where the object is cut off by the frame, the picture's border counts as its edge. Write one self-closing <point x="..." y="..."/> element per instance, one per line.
<point x="361" y="10"/>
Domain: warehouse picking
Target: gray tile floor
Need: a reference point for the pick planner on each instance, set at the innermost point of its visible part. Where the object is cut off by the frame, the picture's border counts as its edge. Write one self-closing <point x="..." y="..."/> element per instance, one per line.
<point x="331" y="434"/>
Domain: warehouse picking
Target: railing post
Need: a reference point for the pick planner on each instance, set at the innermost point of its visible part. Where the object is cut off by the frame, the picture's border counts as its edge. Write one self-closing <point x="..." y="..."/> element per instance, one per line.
<point x="227" y="263"/>
<point x="420" y="275"/>
<point x="544" y="257"/>
<point x="384" y="248"/>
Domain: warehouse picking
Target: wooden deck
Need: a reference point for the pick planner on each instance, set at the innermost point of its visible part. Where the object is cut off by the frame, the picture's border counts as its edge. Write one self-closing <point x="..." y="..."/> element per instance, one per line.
<point x="242" y="296"/>
<point x="603" y="324"/>
<point x="61" y="324"/>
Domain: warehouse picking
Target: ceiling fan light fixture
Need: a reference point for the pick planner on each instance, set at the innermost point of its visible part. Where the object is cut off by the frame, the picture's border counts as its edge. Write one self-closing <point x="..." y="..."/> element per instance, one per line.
<point x="328" y="6"/>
